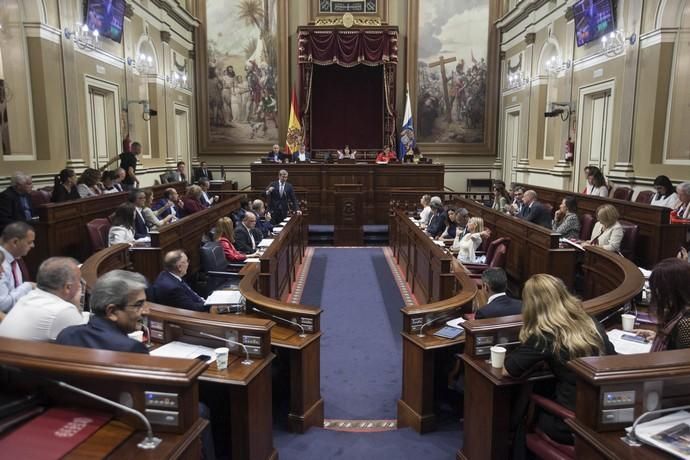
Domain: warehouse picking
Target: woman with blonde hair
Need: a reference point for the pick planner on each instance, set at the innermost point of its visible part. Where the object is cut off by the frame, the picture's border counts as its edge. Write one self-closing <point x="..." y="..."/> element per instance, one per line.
<point x="468" y="244"/>
<point x="607" y="232"/>
<point x="555" y="330"/>
<point x="225" y="234"/>
<point x="151" y="216"/>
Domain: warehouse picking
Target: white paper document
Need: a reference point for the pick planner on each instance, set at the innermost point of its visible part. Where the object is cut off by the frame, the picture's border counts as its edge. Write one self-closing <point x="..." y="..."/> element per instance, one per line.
<point x="266" y="242"/>
<point x="224" y="297"/>
<point x="457" y="322"/>
<point x="184" y="350"/>
<point x="670" y="433"/>
<point x="250" y="260"/>
<point x="627" y="347"/>
<point x="277" y="229"/>
<point x="572" y="243"/>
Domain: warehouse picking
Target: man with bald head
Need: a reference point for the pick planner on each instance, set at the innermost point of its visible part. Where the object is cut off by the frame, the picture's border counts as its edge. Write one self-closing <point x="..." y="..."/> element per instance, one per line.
<point x="534" y="211"/>
<point x="54" y="305"/>
<point x="171" y="289"/>
<point x="275" y="155"/>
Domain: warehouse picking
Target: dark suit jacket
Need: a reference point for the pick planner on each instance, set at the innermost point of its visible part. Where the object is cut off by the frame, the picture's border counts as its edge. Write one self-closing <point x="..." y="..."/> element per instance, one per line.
<point x="502" y="306"/>
<point x="295" y="156"/>
<point x="537" y="214"/>
<point x="161" y="203"/>
<point x="199" y="173"/>
<point x="10" y="208"/>
<point x="102" y="334"/>
<point x="282" y="204"/>
<point x="437" y="224"/>
<point x="140" y="228"/>
<point x="168" y="290"/>
<point x="243" y="242"/>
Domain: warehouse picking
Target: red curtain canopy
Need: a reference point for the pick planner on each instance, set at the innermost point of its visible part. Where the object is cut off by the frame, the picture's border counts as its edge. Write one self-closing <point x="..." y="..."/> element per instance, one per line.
<point x="348" y="47"/>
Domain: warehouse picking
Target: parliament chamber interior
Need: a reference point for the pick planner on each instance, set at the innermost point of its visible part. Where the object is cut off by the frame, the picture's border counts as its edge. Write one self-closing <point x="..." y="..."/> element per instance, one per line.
<point x="344" y="229"/>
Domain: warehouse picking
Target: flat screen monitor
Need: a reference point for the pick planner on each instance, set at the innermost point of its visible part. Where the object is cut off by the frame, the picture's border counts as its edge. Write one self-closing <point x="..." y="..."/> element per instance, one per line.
<point x="107" y="17"/>
<point x="593" y="19"/>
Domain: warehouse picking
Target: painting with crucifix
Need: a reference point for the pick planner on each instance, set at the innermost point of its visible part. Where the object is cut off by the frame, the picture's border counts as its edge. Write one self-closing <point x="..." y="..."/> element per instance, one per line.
<point x="452" y="70"/>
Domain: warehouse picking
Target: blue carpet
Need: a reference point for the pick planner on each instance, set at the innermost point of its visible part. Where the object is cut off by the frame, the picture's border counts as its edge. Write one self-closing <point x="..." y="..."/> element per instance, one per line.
<point x="361" y="364"/>
<point x="361" y="322"/>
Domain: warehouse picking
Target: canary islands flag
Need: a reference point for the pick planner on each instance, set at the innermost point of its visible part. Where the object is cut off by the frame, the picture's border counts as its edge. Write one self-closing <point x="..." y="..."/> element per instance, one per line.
<point x="407" y="137"/>
<point x="294" y="131"/>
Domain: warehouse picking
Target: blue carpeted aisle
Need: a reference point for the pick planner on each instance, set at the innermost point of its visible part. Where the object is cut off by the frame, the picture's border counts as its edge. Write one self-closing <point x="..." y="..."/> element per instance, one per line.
<point x="361" y="358"/>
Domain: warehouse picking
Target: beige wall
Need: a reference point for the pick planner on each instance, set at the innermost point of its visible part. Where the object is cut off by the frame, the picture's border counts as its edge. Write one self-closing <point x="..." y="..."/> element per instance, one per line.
<point x="639" y="81"/>
<point x="56" y="84"/>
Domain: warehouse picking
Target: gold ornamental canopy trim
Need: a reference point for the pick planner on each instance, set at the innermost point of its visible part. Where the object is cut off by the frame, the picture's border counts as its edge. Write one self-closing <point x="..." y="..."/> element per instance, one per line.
<point x="347" y="20"/>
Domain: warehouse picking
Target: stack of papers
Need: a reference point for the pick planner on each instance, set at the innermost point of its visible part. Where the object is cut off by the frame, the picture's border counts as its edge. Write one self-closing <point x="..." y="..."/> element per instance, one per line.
<point x="224" y="297"/>
<point x="645" y="273"/>
<point x="266" y="242"/>
<point x="177" y="349"/>
<point x="250" y="260"/>
<point x="572" y="243"/>
<point x="670" y="433"/>
<point x="278" y="229"/>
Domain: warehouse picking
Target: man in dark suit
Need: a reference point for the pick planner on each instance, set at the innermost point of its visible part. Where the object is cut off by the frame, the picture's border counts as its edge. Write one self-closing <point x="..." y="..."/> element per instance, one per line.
<point x="437" y="224"/>
<point x="203" y="171"/>
<point x="247" y="236"/>
<point x="282" y="197"/>
<point x="138" y="198"/>
<point x="118" y="301"/>
<point x="495" y="282"/>
<point x="170" y="289"/>
<point x="276" y="156"/>
<point x="172" y="202"/>
<point x="15" y="201"/>
<point x="533" y="211"/>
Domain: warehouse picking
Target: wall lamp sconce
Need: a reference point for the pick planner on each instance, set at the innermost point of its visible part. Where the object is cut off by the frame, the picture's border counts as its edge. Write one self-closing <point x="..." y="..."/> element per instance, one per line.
<point x="517" y="80"/>
<point x="83" y="37"/>
<point x="614" y="43"/>
<point x="556" y="65"/>
<point x="143" y="64"/>
<point x="177" y="80"/>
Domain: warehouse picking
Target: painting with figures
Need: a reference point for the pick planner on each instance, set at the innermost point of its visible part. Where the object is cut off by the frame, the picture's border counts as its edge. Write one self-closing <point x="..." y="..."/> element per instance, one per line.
<point x="452" y="70"/>
<point x="242" y="71"/>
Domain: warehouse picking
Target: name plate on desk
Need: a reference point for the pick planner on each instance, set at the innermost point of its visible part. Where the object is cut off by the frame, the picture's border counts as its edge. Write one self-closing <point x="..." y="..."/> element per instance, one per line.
<point x="251" y="340"/>
<point x="416" y="323"/>
<point x="307" y="323"/>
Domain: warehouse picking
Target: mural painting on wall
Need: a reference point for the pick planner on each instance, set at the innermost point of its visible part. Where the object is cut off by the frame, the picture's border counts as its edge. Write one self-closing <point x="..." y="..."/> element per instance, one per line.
<point x="242" y="71"/>
<point x="452" y="70"/>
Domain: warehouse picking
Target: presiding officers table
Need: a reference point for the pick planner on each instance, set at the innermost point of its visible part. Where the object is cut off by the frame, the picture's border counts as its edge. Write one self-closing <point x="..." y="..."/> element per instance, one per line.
<point x="315" y="183"/>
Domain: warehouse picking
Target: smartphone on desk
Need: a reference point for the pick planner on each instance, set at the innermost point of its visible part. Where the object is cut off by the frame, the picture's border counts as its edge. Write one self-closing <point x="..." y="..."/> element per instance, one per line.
<point x="634" y="338"/>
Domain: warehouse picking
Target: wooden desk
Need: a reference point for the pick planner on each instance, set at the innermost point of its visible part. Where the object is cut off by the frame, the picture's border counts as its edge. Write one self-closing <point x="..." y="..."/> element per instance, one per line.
<point x="487" y="431"/>
<point x="446" y="292"/>
<point x="264" y="285"/>
<point x="533" y="248"/>
<point x="657" y="238"/>
<point x="663" y="375"/>
<point x="184" y="234"/>
<point x="110" y="374"/>
<point x="248" y="386"/>
<point x="315" y="183"/>
<point x="61" y="228"/>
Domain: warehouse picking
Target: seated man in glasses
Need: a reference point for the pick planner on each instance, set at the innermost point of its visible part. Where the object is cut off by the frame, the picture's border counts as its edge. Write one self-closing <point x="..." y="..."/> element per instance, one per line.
<point x="54" y="305"/>
<point x="118" y="300"/>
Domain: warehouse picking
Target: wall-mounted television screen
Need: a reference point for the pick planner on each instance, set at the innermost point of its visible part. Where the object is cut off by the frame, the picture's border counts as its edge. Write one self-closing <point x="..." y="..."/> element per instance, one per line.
<point x="106" y="16"/>
<point x="593" y="18"/>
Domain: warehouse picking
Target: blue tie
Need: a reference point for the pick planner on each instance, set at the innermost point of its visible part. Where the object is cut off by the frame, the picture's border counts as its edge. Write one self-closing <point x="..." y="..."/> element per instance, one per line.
<point x="191" y="291"/>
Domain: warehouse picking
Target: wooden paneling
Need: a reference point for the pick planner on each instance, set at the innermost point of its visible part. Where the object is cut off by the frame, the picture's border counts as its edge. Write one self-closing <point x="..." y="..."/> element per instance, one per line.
<point x="315" y="183"/>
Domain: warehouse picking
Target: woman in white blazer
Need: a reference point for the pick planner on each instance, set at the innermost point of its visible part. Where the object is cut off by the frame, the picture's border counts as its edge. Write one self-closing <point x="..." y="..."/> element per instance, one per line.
<point x="607" y="232"/>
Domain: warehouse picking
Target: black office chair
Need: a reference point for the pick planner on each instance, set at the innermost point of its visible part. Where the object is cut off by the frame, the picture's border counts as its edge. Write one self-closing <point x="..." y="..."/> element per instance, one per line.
<point x="216" y="273"/>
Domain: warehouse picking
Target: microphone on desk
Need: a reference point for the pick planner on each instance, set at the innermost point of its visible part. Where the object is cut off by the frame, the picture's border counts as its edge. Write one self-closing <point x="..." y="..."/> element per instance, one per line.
<point x="294" y="323"/>
<point x="421" y="329"/>
<point x="631" y="438"/>
<point x="247" y="361"/>
<point x="624" y="309"/>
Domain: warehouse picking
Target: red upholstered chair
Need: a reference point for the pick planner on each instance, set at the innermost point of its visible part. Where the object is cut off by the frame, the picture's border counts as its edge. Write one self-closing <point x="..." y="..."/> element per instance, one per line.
<point x="98" y="233"/>
<point x="645" y="196"/>
<point x="40" y="196"/>
<point x="629" y="242"/>
<point x="490" y="252"/>
<point x="586" y="226"/>
<point x="539" y="443"/>
<point x="623" y="193"/>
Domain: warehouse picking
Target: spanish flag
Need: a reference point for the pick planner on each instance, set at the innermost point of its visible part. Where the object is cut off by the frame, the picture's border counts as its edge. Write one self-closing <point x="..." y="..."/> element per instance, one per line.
<point x="294" y="131"/>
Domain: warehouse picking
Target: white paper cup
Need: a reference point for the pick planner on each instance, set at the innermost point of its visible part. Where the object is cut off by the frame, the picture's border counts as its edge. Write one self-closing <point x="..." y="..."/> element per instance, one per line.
<point x="137" y="335"/>
<point x="628" y="321"/>
<point x="498" y="355"/>
<point x="222" y="357"/>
